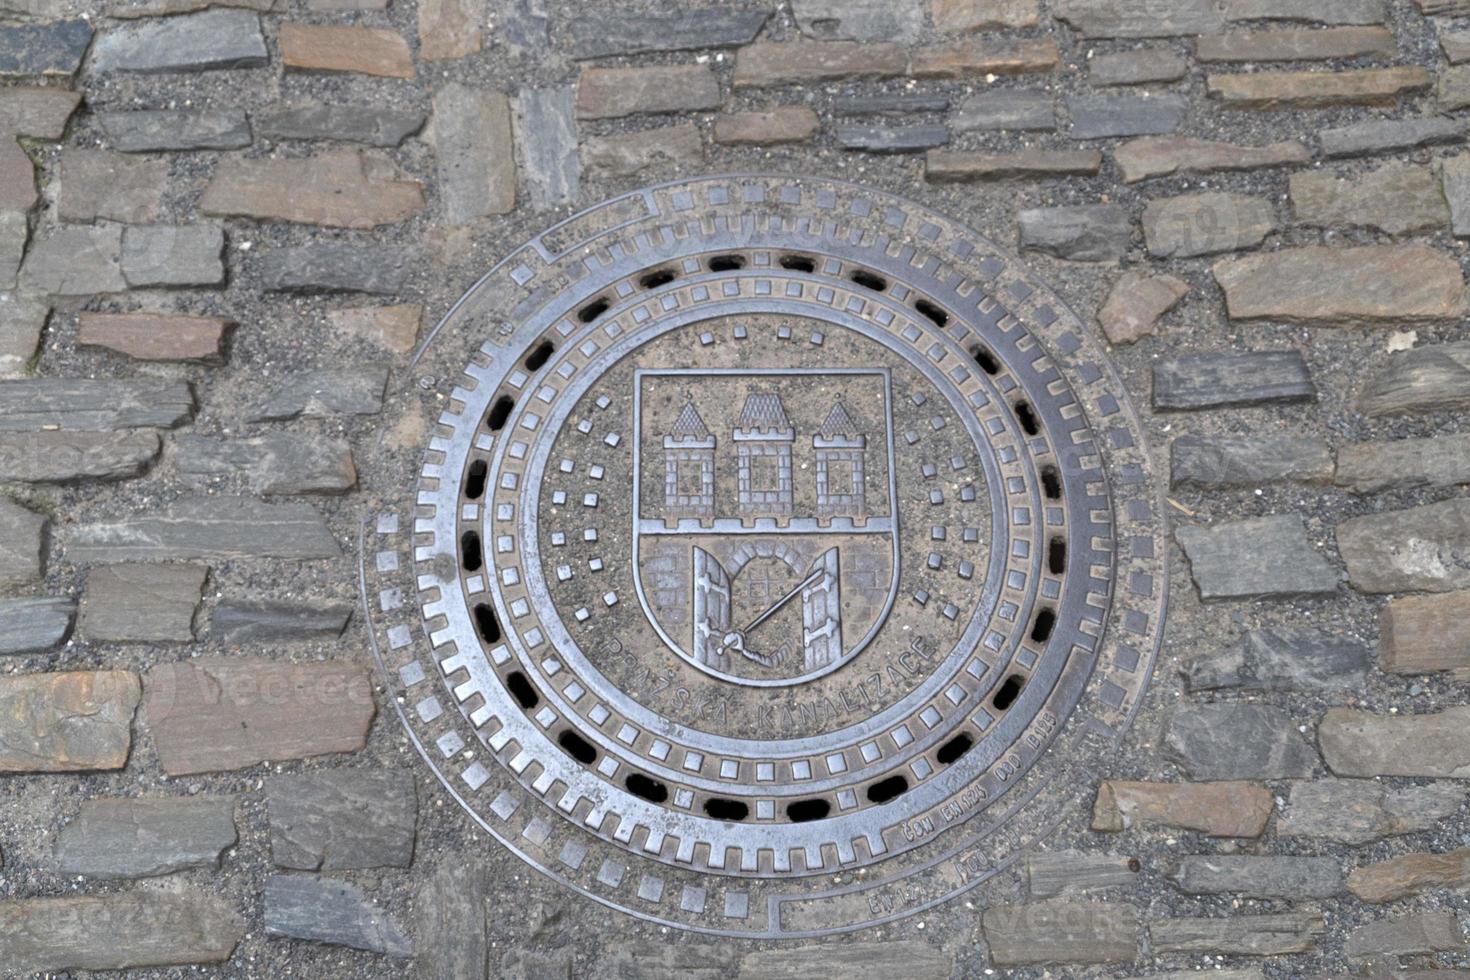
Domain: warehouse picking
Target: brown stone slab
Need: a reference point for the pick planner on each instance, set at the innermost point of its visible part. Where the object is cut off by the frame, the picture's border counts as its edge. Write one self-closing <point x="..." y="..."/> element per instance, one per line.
<point x="213" y="715"/>
<point x="336" y="189"/>
<point x="1422" y="634"/>
<point x="40" y="112"/>
<point x="156" y="336"/>
<point x="141" y="603"/>
<point x="784" y="124"/>
<point x="950" y="166"/>
<point x="1318" y="89"/>
<point x="1239" y="935"/>
<point x="984" y="56"/>
<point x="1296" y="44"/>
<point x="17" y="177"/>
<point x="982" y="15"/>
<point x="611" y="93"/>
<point x="1061" y="932"/>
<point x="1371" y="285"/>
<point x="1362" y="743"/>
<point x="1410" y="874"/>
<point x="365" y="50"/>
<point x="66" y="722"/>
<point x="394" y="328"/>
<point x="449" y="29"/>
<point x="1160" y="156"/>
<point x="101" y="184"/>
<point x="1425" y="379"/>
<point x="794" y="63"/>
<point x="1222" y="809"/>
<point x="626" y="154"/>
<point x="117" y="932"/>
<point x="1136" y="302"/>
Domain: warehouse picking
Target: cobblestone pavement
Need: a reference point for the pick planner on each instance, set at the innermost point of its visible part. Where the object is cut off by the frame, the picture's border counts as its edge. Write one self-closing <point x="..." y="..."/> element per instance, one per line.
<point x="224" y="227"/>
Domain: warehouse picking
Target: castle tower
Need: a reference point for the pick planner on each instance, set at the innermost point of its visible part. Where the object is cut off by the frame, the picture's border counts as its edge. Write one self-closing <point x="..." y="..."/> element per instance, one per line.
<point x="763" y="440"/>
<point x="840" y="449"/>
<point x="689" y="467"/>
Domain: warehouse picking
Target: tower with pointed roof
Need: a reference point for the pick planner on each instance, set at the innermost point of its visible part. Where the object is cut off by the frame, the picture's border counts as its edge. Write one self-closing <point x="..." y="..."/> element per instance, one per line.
<point x="763" y="440"/>
<point x="689" y="467"/>
<point x="841" y="450"/>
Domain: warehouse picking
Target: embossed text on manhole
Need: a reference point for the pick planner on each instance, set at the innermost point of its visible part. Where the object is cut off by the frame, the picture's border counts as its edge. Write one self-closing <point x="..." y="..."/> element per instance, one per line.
<point x="782" y="563"/>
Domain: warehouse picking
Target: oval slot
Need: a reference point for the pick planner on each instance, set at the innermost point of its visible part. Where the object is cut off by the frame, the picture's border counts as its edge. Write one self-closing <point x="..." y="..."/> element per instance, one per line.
<point x="1027" y="418"/>
<point x="804" y="811"/>
<point x="798" y="263"/>
<point x="985" y="359"/>
<point x="577" y="747"/>
<point x="1051" y="483"/>
<point x="593" y="310"/>
<point x="657" y="278"/>
<point x="726" y="263"/>
<point x="1010" y="689"/>
<point x="952" y="751"/>
<point x="499" y="412"/>
<point x="1056" y="556"/>
<point x="888" y="789"/>
<point x="521" y="690"/>
<point x="1046" y="619"/>
<point x="723" y="809"/>
<point x="538" y="357"/>
<point x="469" y="551"/>
<point x="646" y="787"/>
<point x="934" y="313"/>
<point x="474" y="481"/>
<point x="487" y="624"/>
<point x="869" y="280"/>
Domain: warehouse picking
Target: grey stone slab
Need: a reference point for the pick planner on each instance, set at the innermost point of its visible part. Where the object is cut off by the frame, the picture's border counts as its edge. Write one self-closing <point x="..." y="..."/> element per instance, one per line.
<point x="1060" y="932"/>
<point x="1421" y="549"/>
<point x="75" y="261"/>
<point x="546" y="136"/>
<point x="326" y="911"/>
<point x="35" y="625"/>
<point x="1388" y="135"/>
<point x="95" y="183"/>
<point x="536" y="964"/>
<point x="1358" y="811"/>
<point x="1233" y="379"/>
<point x="143" y="838"/>
<point x="21" y="321"/>
<point x="859" y="20"/>
<point x="1282" y="659"/>
<point x="1007" y="109"/>
<point x="1256" y="558"/>
<point x="369" y="124"/>
<point x="141" y="603"/>
<point x="324" y="393"/>
<point x="600" y="32"/>
<point x="123" y="931"/>
<point x="1308" y="11"/>
<point x="1431" y="378"/>
<point x="64" y="457"/>
<point x="1404" y="464"/>
<point x="334" y="267"/>
<point x="1361" y="743"/>
<point x="890" y="139"/>
<point x="911" y="959"/>
<point x="166" y="255"/>
<point x="1454" y="175"/>
<point x="154" y="130"/>
<point x="343" y="819"/>
<point x="1104" y="117"/>
<point x="54" y="48"/>
<point x="1081" y="233"/>
<point x="1053" y="873"/>
<point x="1239" y="935"/>
<point x="878" y="105"/>
<point x="15" y="232"/>
<point x="243" y="621"/>
<point x="1418" y="933"/>
<point x="1397" y="199"/>
<point x="34" y="405"/>
<point x="1217" y="462"/>
<point x="450" y="922"/>
<point x="209" y="39"/>
<point x="1136" y="67"/>
<point x="274" y="463"/>
<point x="1139" y="18"/>
<point x="1259" y="876"/>
<point x="625" y="155"/>
<point x="23" y="535"/>
<point x="1206" y="224"/>
<point x="1237" y="741"/>
<point x="206" y="527"/>
<point x="476" y="153"/>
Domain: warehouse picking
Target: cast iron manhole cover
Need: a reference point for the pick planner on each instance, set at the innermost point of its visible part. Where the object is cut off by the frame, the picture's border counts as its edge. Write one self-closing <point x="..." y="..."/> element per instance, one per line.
<point x="782" y="563"/>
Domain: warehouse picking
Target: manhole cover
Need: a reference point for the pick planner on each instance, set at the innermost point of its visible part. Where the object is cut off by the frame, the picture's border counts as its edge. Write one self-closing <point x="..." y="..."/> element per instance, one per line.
<point x="781" y="564"/>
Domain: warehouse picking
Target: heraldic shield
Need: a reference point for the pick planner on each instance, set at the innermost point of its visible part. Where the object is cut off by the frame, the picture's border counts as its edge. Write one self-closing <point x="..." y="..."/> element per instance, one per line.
<point x="765" y="534"/>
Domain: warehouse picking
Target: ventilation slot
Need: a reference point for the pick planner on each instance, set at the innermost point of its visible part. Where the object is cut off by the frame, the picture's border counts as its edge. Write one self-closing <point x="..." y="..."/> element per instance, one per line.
<point x="722" y="809"/>
<point x="805" y="811"/>
<point x="474" y="481"/>
<point x="469" y="551"/>
<point x="1051" y="484"/>
<point x="521" y="690"/>
<point x="577" y="747"/>
<point x="1041" y="629"/>
<point x="653" y="280"/>
<point x="798" y="263"/>
<point x="1009" y="691"/>
<point x="1056" y="556"/>
<point x="986" y="360"/>
<point x="888" y="789"/>
<point x="649" y="789"/>
<point x="538" y="357"/>
<point x="869" y="280"/>
<point x="486" y="623"/>
<point x="726" y="263"/>
<point x="933" y="312"/>
<point x="592" y="310"/>
<point x="1027" y="419"/>
<point x="953" y="750"/>
<point x="499" y="412"/>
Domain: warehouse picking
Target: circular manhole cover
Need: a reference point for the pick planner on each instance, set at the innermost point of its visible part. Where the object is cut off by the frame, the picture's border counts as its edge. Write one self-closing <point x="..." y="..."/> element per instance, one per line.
<point x="783" y="563"/>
